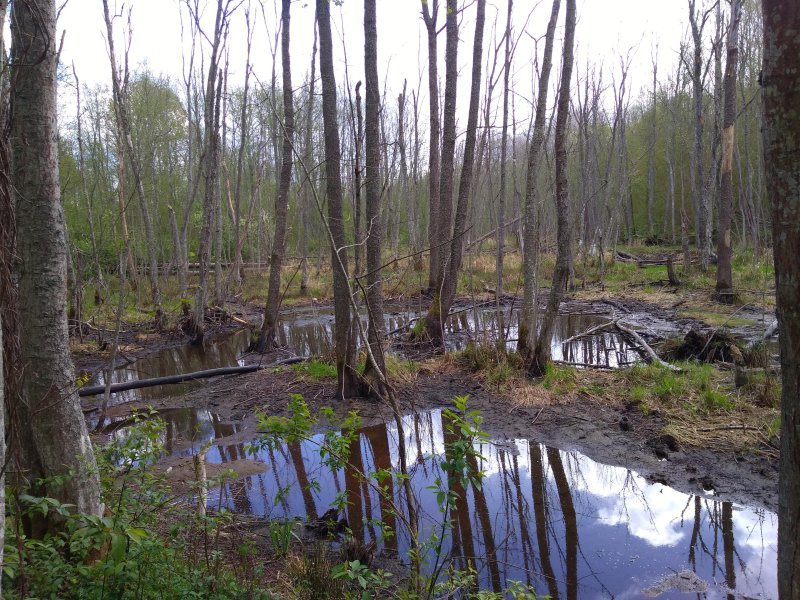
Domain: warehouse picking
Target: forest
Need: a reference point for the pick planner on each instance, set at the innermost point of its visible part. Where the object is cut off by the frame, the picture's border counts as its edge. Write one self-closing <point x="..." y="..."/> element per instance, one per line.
<point x="291" y="308"/>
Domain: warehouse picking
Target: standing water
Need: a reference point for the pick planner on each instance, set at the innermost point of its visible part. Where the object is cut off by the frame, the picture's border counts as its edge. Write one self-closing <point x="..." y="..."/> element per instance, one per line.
<point x="557" y="520"/>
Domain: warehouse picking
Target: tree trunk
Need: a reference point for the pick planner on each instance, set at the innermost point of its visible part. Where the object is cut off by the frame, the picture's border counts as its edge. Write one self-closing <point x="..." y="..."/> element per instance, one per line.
<point x="55" y="422"/>
<point x="374" y="231"/>
<point x="434" y="152"/>
<point x="244" y="126"/>
<point x="268" y="328"/>
<point x="445" y="291"/>
<point x="699" y="200"/>
<point x="528" y="325"/>
<point x="209" y="175"/>
<point x="724" y="289"/>
<point x="346" y="375"/>
<point x="4" y="204"/>
<point x="541" y="350"/>
<point x="308" y="183"/>
<point x="781" y="96"/>
<point x="501" y="204"/>
<point x="444" y="211"/>
<point x="123" y="119"/>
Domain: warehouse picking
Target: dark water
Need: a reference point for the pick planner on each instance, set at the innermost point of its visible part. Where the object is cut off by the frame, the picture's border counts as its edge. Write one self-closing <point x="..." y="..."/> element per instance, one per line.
<point x="185" y="429"/>
<point x="309" y="332"/>
<point x="569" y="526"/>
<point x="222" y="352"/>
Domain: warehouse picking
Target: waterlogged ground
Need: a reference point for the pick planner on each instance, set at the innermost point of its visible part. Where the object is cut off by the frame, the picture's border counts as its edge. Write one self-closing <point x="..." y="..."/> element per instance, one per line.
<point x="309" y="332"/>
<point x="557" y="520"/>
<point x="553" y="510"/>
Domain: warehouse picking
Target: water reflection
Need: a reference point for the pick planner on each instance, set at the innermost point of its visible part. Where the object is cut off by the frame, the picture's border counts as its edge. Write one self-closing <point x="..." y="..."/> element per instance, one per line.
<point x="567" y="525"/>
<point x="309" y="333"/>
<point x="185" y="430"/>
<point x="223" y="352"/>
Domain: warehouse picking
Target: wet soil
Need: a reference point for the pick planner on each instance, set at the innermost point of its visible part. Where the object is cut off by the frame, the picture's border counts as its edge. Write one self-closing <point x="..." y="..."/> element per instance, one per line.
<point x="613" y="435"/>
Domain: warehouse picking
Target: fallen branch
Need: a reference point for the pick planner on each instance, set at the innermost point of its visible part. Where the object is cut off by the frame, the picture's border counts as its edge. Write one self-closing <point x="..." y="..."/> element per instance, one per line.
<point x="583" y="365"/>
<point x="588" y="332"/>
<point x="729" y="428"/>
<point x="173" y="379"/>
<point x="649" y="352"/>
<point x="771" y="330"/>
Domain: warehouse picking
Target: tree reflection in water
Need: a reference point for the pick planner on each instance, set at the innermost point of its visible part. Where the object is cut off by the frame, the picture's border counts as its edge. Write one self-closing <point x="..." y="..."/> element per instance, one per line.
<point x="570" y="526"/>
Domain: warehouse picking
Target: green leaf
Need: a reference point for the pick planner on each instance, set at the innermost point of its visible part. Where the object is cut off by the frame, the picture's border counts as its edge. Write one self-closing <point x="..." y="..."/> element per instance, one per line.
<point x="118" y="545"/>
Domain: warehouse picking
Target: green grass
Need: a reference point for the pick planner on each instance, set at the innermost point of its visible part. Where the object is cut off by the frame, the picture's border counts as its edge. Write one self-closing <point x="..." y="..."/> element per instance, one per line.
<point x="316" y="370"/>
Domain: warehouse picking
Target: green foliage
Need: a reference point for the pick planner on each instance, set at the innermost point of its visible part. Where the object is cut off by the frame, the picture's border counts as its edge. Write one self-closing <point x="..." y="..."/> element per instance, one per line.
<point x="316" y="370"/>
<point x="122" y="554"/>
<point x="281" y="534"/>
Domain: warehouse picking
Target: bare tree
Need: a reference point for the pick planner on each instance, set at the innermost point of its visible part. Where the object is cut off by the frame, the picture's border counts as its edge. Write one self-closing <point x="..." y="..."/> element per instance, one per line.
<point x="501" y="204"/>
<point x="268" y="328"/>
<point x="244" y="126"/>
<point x="209" y="168"/>
<point x="697" y="75"/>
<point x="374" y="224"/>
<point x="445" y="291"/>
<point x="541" y="350"/>
<point x="121" y="112"/>
<point x="434" y="152"/>
<point x="781" y="94"/>
<point x="528" y="325"/>
<point x="49" y="409"/>
<point x="347" y="378"/>
<point x="724" y="289"/>
<point x="307" y="182"/>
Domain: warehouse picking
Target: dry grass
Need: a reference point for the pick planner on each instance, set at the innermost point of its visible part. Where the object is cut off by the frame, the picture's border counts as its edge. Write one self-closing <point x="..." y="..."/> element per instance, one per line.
<point x="700" y="405"/>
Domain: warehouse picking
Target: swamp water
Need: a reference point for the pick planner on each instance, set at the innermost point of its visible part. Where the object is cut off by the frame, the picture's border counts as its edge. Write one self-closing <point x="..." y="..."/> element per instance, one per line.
<point x="557" y="520"/>
<point x="309" y="332"/>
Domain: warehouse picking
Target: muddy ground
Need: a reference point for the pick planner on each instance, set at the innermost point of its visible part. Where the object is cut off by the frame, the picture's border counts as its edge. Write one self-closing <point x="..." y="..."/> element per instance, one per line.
<point x="617" y="435"/>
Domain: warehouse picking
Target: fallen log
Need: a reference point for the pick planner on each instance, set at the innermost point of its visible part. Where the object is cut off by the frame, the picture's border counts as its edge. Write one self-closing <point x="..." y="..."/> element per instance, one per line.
<point x="93" y="390"/>
<point x="645" y="347"/>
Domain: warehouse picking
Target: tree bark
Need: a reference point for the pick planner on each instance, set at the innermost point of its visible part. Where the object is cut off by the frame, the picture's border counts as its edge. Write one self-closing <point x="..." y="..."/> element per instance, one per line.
<point x="374" y="224"/>
<point x="724" y="289"/>
<point x="268" y="328"/>
<point x="699" y="201"/>
<point x="434" y="151"/>
<point x="501" y="204"/>
<point x="347" y="379"/>
<point x="209" y="175"/>
<point x="528" y="325"/>
<point x="541" y="350"/>
<point x="49" y="397"/>
<point x="781" y="96"/>
<point x="307" y="182"/>
<point x="445" y="291"/>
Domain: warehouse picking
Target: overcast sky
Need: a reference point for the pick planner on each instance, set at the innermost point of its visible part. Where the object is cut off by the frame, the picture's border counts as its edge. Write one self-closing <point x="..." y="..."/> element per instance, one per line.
<point x="606" y="29"/>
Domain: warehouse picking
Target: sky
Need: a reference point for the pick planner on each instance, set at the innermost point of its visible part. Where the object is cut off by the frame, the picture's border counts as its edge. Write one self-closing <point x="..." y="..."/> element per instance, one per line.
<point x="606" y="30"/>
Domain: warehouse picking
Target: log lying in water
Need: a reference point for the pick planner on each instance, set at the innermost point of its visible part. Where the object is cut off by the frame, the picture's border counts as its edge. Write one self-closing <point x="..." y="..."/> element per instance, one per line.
<point x="93" y="390"/>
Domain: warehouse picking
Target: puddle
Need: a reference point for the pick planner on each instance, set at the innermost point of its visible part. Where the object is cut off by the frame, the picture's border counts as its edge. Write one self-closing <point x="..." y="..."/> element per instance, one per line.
<point x="223" y="352"/>
<point x="309" y="332"/>
<point x="185" y="430"/>
<point x="567" y="525"/>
